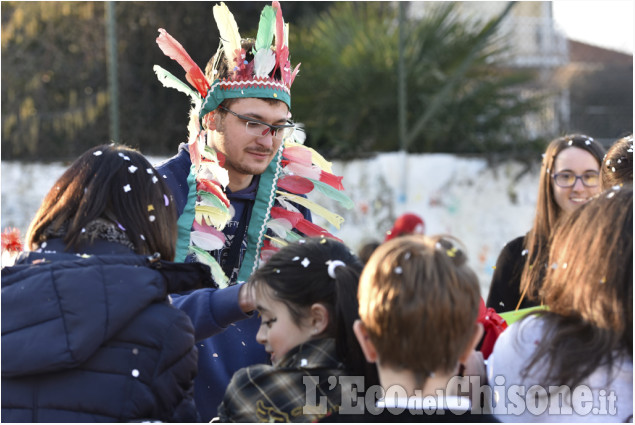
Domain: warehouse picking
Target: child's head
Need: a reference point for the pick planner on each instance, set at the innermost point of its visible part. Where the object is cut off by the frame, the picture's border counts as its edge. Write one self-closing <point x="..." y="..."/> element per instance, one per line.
<point x="617" y="167"/>
<point x="307" y="290"/>
<point x="115" y="184"/>
<point x="418" y="304"/>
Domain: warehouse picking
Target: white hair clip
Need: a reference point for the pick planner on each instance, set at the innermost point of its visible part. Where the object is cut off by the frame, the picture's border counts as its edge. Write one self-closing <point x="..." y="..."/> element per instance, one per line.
<point x="333" y="264"/>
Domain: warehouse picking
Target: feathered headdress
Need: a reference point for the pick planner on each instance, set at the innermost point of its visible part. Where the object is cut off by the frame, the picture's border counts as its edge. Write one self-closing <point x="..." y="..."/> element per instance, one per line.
<point x="295" y="170"/>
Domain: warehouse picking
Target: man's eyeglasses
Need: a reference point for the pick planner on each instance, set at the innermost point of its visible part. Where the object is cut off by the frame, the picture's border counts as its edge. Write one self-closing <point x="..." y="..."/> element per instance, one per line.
<point x="259" y="128"/>
<point x="568" y="179"/>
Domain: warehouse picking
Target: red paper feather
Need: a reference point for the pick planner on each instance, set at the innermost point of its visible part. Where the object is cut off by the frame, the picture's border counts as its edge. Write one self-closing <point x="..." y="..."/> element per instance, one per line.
<point x="175" y="50"/>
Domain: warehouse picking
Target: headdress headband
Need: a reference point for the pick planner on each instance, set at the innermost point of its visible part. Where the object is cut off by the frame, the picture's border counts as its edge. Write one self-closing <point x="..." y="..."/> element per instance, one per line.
<point x="245" y="79"/>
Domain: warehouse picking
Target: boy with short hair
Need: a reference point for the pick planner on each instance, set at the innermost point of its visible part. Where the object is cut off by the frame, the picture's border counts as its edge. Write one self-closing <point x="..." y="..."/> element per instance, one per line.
<point x="418" y="304"/>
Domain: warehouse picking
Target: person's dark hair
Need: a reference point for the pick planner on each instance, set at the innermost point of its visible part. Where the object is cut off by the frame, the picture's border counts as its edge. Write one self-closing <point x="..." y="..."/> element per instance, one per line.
<point x="617" y="166"/>
<point x="116" y="184"/>
<point x="589" y="290"/>
<point x="367" y="250"/>
<point x="298" y="276"/>
<point x="548" y="212"/>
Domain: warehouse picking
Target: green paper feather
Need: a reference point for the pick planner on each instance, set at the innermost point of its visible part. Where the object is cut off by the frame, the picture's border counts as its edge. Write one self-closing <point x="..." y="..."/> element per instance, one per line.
<point x="266" y="26"/>
<point x="333" y="193"/>
<point x="218" y="274"/>
<point x="170" y="81"/>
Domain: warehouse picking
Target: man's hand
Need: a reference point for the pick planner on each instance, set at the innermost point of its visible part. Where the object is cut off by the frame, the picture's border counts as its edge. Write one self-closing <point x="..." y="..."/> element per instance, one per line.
<point x="246" y="298"/>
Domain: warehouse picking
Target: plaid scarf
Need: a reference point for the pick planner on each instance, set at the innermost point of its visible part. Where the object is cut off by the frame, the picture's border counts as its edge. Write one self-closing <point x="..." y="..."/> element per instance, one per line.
<point x="264" y="393"/>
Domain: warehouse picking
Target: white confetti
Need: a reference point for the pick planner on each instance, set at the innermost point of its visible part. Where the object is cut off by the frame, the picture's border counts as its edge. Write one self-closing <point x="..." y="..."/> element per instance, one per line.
<point x="215" y="355"/>
<point x="143" y="238"/>
<point x="135" y="351"/>
<point x="243" y="343"/>
<point x="564" y="266"/>
<point x="97" y="153"/>
<point x="407" y="256"/>
<point x="570" y="142"/>
<point x="305" y="262"/>
<point x="296" y="258"/>
<point x="608" y="162"/>
<point x="43" y="245"/>
<point x="303" y="362"/>
<point x="398" y="270"/>
<point x="120" y="154"/>
<point x="610" y="195"/>
<point x="152" y="218"/>
<point x="554" y="266"/>
<point x="127" y="188"/>
<point x="127" y="158"/>
<point x="587" y="142"/>
<point x="132" y="168"/>
<point x="165" y="198"/>
<point x="525" y="252"/>
<point x="149" y="171"/>
<point x="154" y="179"/>
<point x="502" y="304"/>
<point x="135" y="373"/>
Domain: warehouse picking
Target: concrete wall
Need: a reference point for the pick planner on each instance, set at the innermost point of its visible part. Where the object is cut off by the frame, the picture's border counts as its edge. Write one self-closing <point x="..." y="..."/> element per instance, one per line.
<point x="483" y="207"/>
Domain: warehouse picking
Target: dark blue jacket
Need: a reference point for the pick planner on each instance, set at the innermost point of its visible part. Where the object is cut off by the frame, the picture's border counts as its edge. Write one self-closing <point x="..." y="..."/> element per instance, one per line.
<point x="95" y="339"/>
<point x="226" y="337"/>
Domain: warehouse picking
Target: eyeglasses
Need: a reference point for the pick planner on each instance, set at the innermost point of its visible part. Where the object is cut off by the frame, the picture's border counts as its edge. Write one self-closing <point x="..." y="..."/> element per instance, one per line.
<point x="568" y="179"/>
<point x="259" y="128"/>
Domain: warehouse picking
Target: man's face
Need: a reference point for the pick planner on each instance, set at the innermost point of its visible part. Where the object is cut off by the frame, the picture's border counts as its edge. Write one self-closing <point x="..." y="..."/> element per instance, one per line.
<point x="246" y="154"/>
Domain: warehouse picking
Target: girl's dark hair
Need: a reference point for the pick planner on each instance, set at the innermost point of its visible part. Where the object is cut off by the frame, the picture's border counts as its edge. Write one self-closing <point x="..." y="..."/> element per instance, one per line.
<point x="548" y="212"/>
<point x="589" y="290"/>
<point x="298" y="276"/>
<point x="617" y="167"/>
<point x="117" y="184"/>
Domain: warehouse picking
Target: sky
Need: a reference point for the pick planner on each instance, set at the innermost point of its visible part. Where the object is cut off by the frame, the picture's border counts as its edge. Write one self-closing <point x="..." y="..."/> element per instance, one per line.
<point x="603" y="23"/>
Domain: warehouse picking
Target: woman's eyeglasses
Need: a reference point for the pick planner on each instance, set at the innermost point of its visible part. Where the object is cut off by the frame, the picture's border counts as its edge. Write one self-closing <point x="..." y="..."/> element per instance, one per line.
<point x="568" y="179"/>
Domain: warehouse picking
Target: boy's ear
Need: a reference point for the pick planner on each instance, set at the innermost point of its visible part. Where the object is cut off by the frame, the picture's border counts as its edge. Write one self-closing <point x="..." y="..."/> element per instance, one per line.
<point x="364" y="341"/>
<point x="319" y="319"/>
<point x="476" y="338"/>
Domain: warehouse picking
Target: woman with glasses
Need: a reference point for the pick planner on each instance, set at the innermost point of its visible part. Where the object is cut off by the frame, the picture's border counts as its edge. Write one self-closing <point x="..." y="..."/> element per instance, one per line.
<point x="569" y="177"/>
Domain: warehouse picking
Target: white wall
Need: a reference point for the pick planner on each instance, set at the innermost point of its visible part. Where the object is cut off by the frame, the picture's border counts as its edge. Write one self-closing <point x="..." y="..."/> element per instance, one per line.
<point x="483" y="207"/>
<point x="454" y="195"/>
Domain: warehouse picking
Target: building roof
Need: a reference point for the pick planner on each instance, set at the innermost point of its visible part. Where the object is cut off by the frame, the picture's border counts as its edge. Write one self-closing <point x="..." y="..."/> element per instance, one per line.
<point x="582" y="52"/>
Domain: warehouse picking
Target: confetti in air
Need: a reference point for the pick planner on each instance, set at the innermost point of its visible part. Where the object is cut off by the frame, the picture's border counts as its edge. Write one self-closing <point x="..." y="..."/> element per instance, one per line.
<point x="132" y="169"/>
<point x="97" y="153"/>
<point x="398" y="270"/>
<point x="127" y="188"/>
<point x="152" y="218"/>
<point x="154" y="179"/>
<point x="166" y="199"/>
<point x="305" y="263"/>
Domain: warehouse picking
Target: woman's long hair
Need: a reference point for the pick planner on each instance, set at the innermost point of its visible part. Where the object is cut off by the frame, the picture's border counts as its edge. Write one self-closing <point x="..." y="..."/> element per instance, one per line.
<point x="548" y="212"/>
<point x="114" y="183"/>
<point x="589" y="289"/>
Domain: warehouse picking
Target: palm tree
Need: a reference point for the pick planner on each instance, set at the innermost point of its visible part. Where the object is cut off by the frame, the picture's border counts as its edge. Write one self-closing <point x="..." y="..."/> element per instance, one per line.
<point x="457" y="101"/>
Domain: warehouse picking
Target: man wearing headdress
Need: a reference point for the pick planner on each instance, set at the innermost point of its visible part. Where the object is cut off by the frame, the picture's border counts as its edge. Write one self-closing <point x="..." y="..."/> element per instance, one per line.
<point x="227" y="183"/>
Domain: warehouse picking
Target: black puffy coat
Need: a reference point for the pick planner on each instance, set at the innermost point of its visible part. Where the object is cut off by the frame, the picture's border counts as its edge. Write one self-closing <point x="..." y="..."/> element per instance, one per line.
<point x="96" y="340"/>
